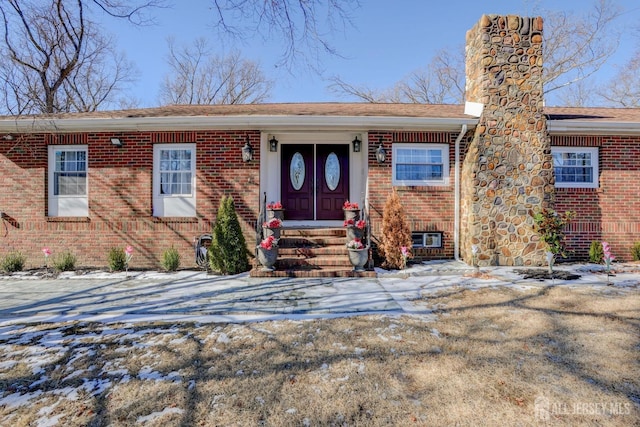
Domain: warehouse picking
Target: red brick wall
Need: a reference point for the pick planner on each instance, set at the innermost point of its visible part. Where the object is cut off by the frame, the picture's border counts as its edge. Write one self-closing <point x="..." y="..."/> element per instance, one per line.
<point x="120" y="196"/>
<point x="608" y="213"/>
<point x="428" y="208"/>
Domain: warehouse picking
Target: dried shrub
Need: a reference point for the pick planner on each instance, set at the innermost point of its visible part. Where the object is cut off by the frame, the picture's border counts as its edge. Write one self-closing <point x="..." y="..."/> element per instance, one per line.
<point x="395" y="233"/>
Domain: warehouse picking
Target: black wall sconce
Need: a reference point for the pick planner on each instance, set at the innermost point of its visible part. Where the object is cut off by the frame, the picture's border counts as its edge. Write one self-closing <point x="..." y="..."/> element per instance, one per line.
<point x="381" y="153"/>
<point x="273" y="144"/>
<point x="357" y="144"/>
<point x="117" y="142"/>
<point x="247" y="151"/>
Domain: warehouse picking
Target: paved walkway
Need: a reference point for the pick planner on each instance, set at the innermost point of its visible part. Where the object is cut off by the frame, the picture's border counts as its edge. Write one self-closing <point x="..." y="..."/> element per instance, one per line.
<point x="200" y="297"/>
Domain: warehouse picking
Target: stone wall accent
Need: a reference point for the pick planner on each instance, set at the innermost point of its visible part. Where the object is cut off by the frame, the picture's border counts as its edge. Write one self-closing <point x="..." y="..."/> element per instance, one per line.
<point x="507" y="173"/>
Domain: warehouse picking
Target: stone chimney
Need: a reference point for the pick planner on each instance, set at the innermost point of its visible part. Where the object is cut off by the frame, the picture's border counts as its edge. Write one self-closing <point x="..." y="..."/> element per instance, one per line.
<point x="507" y="174"/>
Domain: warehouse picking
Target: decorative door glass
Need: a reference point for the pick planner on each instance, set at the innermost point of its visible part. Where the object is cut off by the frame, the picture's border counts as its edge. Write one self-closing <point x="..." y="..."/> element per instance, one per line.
<point x="297" y="171"/>
<point x="332" y="171"/>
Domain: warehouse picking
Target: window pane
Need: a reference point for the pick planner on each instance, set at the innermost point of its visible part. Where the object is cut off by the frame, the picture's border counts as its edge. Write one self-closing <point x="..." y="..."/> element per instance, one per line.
<point x="419" y="164"/>
<point x="175" y="178"/>
<point x="69" y="176"/>
<point x="573" y="167"/>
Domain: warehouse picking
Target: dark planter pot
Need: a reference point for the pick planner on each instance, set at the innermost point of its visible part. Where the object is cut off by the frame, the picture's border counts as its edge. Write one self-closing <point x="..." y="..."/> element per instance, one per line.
<point x="359" y="258"/>
<point x="354" y="233"/>
<point x="353" y="214"/>
<point x="267" y="258"/>
<point x="275" y="213"/>
<point x="275" y="232"/>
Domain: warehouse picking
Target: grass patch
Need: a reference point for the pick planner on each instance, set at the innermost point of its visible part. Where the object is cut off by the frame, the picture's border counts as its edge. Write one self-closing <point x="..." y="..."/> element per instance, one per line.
<point x="489" y="358"/>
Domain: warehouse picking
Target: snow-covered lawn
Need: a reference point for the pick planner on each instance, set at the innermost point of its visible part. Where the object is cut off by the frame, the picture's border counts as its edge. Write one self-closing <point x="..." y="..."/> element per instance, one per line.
<point x="487" y="356"/>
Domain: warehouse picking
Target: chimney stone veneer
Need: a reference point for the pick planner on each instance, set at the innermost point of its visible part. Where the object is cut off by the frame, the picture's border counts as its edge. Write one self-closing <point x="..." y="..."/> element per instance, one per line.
<point x="507" y="174"/>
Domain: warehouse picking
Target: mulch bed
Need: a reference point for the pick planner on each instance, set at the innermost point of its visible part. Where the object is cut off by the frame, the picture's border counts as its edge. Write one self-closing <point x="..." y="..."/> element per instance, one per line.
<point x="543" y="274"/>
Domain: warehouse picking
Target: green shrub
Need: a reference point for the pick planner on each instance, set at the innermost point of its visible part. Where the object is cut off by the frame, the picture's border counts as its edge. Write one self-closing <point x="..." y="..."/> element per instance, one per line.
<point x="635" y="251"/>
<point x="171" y="259"/>
<point x="550" y="225"/>
<point x="12" y="262"/>
<point x="117" y="259"/>
<point x="65" y="261"/>
<point x="228" y="250"/>
<point x="596" y="254"/>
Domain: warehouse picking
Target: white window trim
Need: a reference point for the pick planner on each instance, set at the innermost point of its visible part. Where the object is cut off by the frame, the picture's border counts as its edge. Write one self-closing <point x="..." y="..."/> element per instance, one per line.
<point x="64" y="205"/>
<point x="173" y="205"/>
<point x="595" y="165"/>
<point x="416" y="183"/>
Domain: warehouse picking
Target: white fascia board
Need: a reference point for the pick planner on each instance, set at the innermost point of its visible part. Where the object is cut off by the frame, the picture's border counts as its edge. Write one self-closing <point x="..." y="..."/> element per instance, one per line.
<point x="265" y="123"/>
<point x="559" y="127"/>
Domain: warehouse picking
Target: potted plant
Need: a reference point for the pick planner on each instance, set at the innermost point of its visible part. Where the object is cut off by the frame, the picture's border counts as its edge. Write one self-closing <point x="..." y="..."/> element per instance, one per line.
<point x="358" y="254"/>
<point x="351" y="211"/>
<point x="272" y="227"/>
<point x="275" y="210"/>
<point x="355" y="229"/>
<point x="268" y="253"/>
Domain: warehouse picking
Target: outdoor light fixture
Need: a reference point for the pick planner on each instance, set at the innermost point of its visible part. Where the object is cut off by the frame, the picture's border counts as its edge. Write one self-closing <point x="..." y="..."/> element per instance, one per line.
<point x="116" y="142"/>
<point x="356" y="144"/>
<point x="8" y="137"/>
<point x="247" y="151"/>
<point x="273" y="144"/>
<point x="381" y="153"/>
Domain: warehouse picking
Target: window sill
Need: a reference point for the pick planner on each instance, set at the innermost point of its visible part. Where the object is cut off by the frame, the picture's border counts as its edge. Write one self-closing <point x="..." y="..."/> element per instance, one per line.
<point x="168" y="219"/>
<point x="68" y="219"/>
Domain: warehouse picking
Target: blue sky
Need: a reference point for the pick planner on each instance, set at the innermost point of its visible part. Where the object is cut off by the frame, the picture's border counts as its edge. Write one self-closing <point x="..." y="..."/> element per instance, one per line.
<point x="389" y="40"/>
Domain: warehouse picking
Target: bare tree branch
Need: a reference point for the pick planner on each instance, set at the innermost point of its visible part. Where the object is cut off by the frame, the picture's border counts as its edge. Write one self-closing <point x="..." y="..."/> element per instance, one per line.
<point x="198" y="76"/>
<point x="59" y="61"/>
<point x="306" y="36"/>
<point x="575" y="47"/>
<point x="624" y="88"/>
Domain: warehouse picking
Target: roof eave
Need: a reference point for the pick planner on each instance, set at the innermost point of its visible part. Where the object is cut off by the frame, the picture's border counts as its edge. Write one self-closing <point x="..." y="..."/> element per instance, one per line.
<point x="234" y="122"/>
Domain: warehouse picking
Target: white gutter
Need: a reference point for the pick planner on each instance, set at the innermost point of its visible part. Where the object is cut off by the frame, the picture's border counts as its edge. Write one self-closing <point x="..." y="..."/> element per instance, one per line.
<point x="564" y="127"/>
<point x="231" y="122"/>
<point x="456" y="214"/>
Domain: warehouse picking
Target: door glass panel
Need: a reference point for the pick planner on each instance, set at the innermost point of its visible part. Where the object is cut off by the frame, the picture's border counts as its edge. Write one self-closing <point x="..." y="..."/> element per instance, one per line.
<point x="332" y="171"/>
<point x="297" y="171"/>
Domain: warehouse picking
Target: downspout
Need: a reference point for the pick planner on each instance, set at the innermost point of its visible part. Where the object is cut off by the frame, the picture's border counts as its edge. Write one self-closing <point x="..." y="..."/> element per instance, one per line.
<point x="456" y="214"/>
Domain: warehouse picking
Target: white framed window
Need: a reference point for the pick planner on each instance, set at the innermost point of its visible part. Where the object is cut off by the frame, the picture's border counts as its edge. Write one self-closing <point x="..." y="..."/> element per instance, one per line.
<point x="174" y="180"/>
<point x="420" y="164"/>
<point x="68" y="183"/>
<point x="575" y="167"/>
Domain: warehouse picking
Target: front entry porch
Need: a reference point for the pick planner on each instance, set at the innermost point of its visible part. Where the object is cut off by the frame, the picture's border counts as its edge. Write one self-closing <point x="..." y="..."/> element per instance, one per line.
<point x="313" y="252"/>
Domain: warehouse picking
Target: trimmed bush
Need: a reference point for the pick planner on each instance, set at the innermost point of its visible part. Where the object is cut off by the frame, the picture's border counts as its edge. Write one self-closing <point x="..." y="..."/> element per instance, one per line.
<point x="395" y="233"/>
<point x="65" y="261"/>
<point x="596" y="253"/>
<point x="171" y="259"/>
<point x="117" y="259"/>
<point x="12" y="262"/>
<point x="635" y="251"/>
<point x="228" y="250"/>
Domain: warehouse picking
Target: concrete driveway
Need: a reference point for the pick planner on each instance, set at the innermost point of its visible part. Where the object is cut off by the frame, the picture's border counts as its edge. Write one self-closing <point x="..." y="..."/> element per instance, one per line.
<point x="200" y="297"/>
